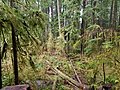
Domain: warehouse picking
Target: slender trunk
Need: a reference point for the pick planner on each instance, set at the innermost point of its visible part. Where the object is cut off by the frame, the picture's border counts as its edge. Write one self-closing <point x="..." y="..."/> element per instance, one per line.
<point x="104" y="72"/>
<point x="14" y="46"/>
<point x="47" y="12"/>
<point x="64" y="22"/>
<point x="61" y="34"/>
<point x="100" y="19"/>
<point x="45" y="32"/>
<point x="0" y="69"/>
<point x="52" y="12"/>
<point x="56" y="15"/>
<point x="2" y="52"/>
<point x="82" y="27"/>
<point x="83" y="21"/>
<point x="111" y="14"/>
<point x="39" y="6"/>
<point x="119" y="20"/>
<point x="113" y="18"/>
<point x="51" y="15"/>
<point x="0" y="61"/>
<point x="58" y="10"/>
<point x="59" y="18"/>
<point x="64" y="17"/>
<point x="115" y="15"/>
<point x="94" y="5"/>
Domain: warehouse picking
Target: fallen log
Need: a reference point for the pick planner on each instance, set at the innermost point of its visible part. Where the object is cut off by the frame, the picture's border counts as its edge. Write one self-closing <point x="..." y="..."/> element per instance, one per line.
<point x="64" y="76"/>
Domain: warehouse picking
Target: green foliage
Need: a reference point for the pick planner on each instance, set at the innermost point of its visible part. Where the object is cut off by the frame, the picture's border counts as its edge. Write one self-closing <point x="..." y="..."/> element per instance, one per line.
<point x="91" y="46"/>
<point x="93" y="27"/>
<point x="112" y="79"/>
<point x="50" y="42"/>
<point x="77" y="45"/>
<point x="107" y="45"/>
<point x="60" y="44"/>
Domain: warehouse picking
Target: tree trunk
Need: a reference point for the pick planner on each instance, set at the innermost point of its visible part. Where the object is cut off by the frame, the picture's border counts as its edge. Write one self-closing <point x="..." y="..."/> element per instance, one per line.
<point x="115" y="15"/>
<point x="83" y="21"/>
<point x="111" y="10"/>
<point x="104" y="77"/>
<point x="61" y="34"/>
<point x="14" y="46"/>
<point x="82" y="28"/>
<point x="58" y="11"/>
<point x="51" y="15"/>
<point x="94" y="18"/>
<point x="38" y="4"/>
<point x="119" y="23"/>
<point x="0" y="61"/>
<point x="119" y="20"/>
<point x="2" y="52"/>
<point x="0" y="69"/>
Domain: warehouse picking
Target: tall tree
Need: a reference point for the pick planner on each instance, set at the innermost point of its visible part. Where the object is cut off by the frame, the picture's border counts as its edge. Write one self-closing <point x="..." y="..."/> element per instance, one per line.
<point x="82" y="26"/>
<point x="14" y="46"/>
<point x="58" y="11"/>
<point x="119" y="20"/>
<point x="113" y="14"/>
<point x="94" y="6"/>
<point x="0" y="60"/>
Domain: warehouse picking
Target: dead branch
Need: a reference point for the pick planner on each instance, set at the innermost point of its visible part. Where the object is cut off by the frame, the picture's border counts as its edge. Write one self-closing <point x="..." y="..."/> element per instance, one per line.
<point x="64" y="76"/>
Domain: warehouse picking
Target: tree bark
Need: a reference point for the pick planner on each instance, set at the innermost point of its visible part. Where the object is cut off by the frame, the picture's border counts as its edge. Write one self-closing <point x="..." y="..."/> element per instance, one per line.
<point x="51" y="15"/>
<point x="111" y="15"/>
<point x="64" y="76"/>
<point x="58" y="11"/>
<point x="0" y="69"/>
<point x="14" y="46"/>
<point x="94" y="5"/>
<point x="0" y="62"/>
<point x="115" y="15"/>
<point x="119" y="25"/>
<point x="104" y="77"/>
<point x="82" y="28"/>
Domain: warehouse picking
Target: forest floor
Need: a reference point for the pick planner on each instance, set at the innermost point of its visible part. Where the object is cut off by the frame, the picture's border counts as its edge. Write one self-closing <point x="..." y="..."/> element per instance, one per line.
<point x="88" y="69"/>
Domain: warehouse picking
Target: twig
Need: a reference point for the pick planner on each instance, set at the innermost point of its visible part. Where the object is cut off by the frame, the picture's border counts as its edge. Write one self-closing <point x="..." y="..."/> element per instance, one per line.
<point x="54" y="83"/>
<point x="75" y="72"/>
<point x="104" y="72"/>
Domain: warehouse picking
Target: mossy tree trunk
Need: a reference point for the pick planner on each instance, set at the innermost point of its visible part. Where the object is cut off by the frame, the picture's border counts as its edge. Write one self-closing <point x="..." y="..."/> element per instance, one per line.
<point x="14" y="46"/>
<point x="15" y="61"/>
<point x="0" y="64"/>
<point x="82" y="28"/>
